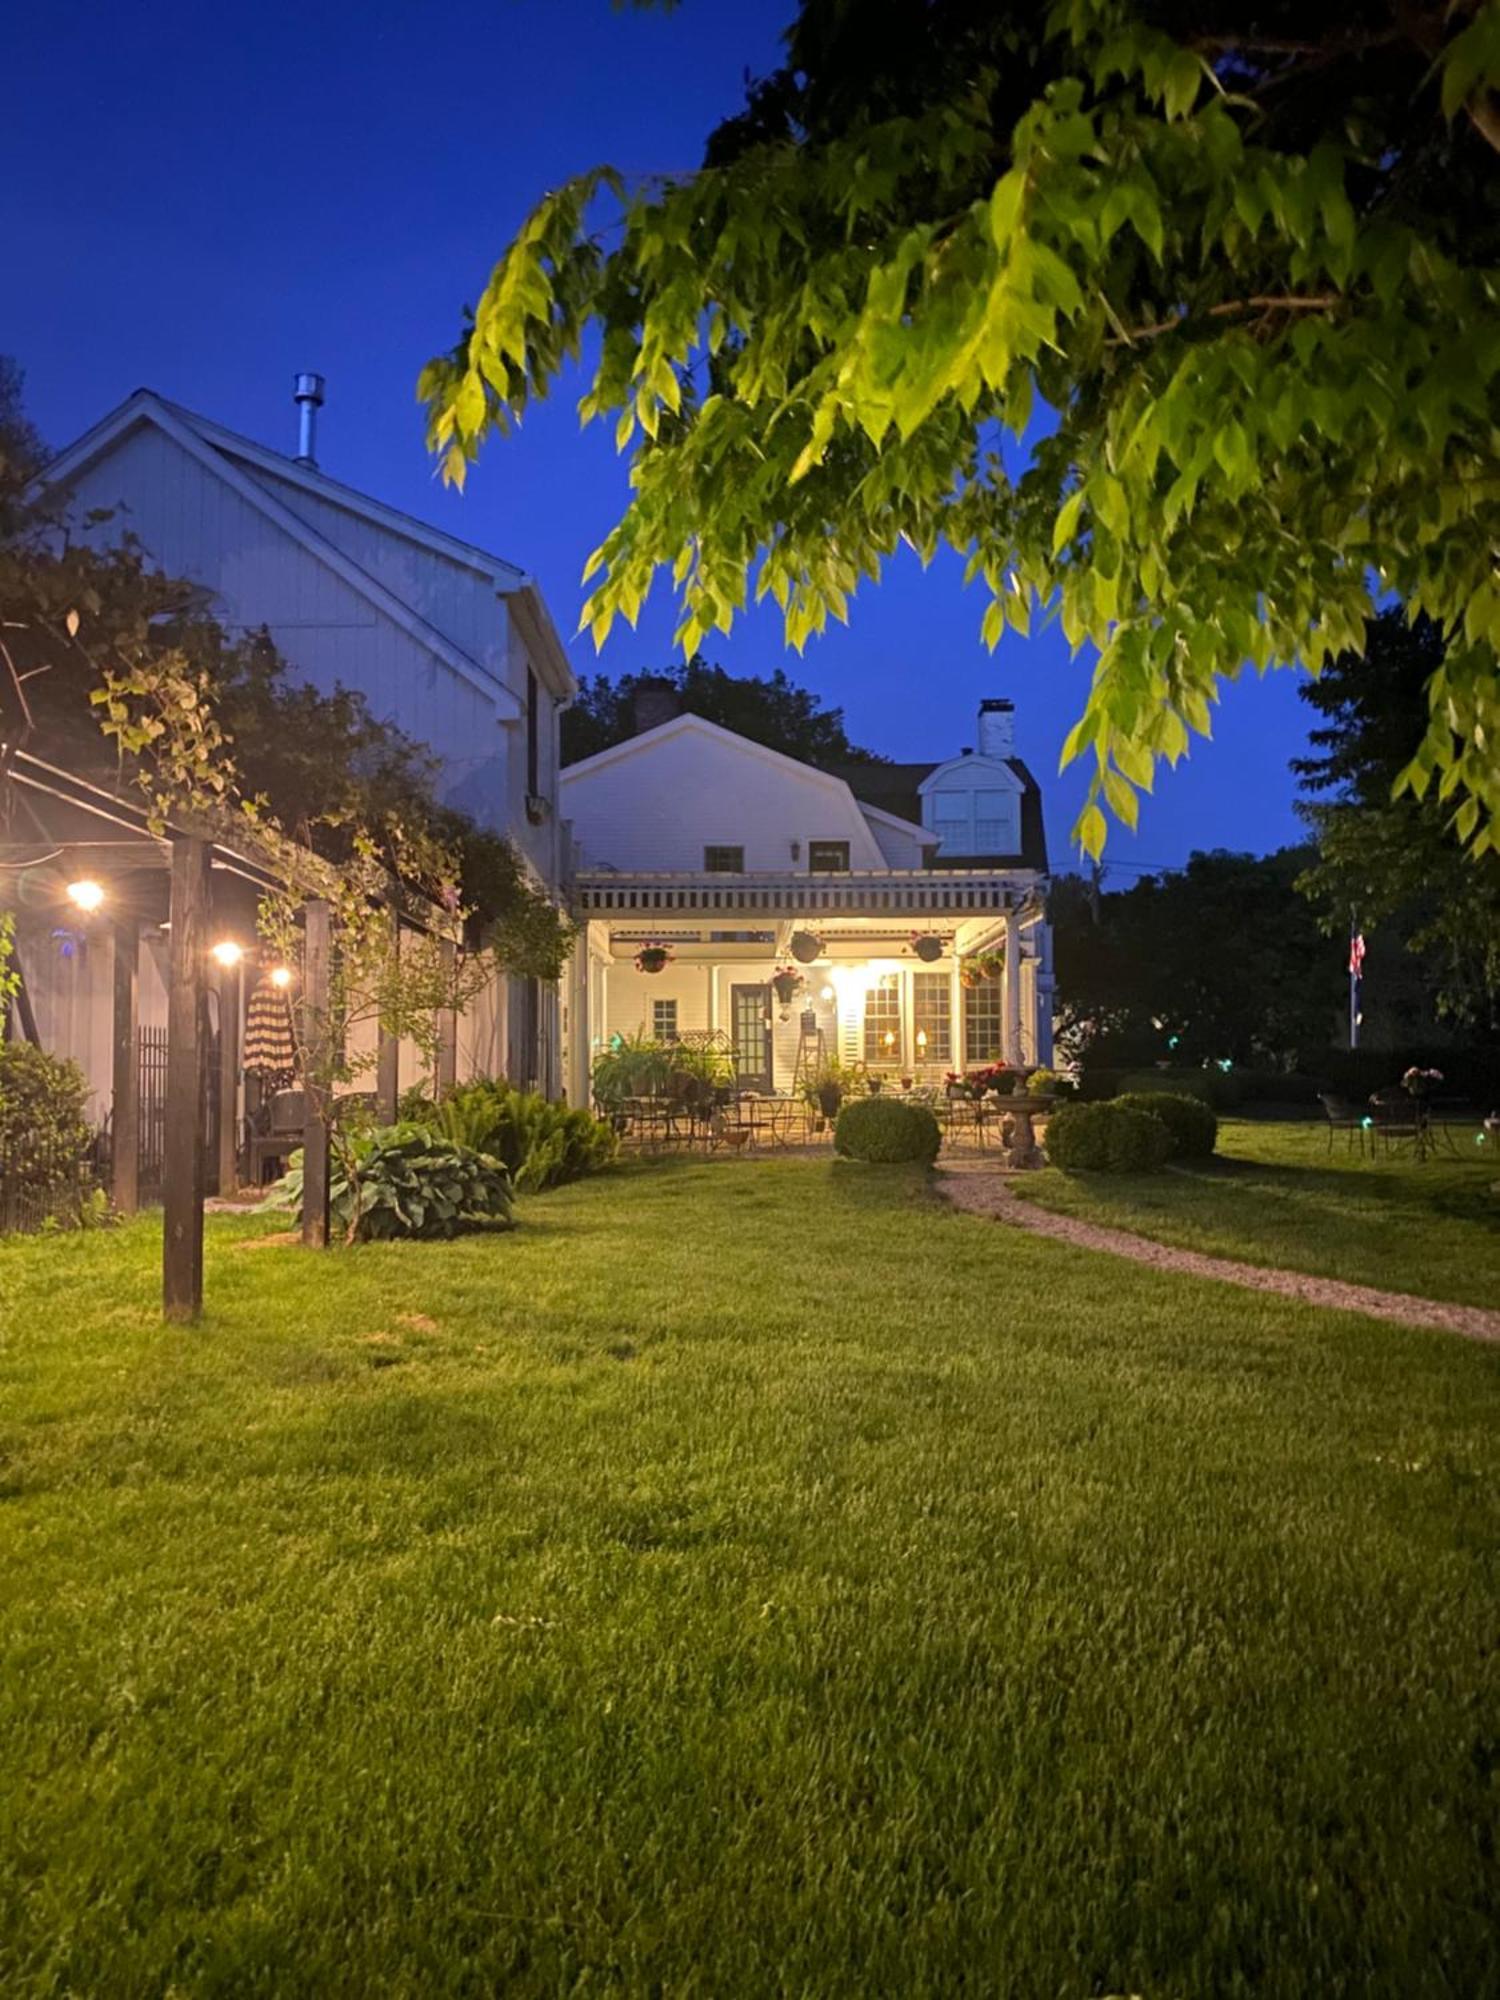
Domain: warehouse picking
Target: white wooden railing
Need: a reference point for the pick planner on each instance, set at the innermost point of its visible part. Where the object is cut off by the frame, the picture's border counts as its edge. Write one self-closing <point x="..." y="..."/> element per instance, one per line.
<point x="932" y="892"/>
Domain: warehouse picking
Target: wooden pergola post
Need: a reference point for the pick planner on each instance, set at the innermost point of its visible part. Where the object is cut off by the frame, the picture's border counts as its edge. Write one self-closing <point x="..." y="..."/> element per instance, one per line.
<point x="182" y="1155"/>
<point x="447" y="1048"/>
<point x="317" y="951"/>
<point x="388" y="1050"/>
<point x="230" y="987"/>
<point x="125" y="1071"/>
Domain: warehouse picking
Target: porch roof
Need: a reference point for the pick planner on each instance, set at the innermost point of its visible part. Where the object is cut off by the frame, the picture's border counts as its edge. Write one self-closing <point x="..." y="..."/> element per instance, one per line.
<point x="928" y="892"/>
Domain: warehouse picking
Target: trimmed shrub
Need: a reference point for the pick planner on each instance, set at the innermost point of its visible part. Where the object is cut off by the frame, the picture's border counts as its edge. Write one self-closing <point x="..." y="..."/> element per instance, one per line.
<point x="541" y="1143"/>
<point x="881" y="1129"/>
<point x="406" y="1180"/>
<point x="1106" y="1139"/>
<point x="1191" y="1124"/>
<point x="45" y="1140"/>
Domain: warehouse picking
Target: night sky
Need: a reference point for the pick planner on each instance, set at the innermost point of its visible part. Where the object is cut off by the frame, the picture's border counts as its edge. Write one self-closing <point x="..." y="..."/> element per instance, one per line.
<point x="205" y="198"/>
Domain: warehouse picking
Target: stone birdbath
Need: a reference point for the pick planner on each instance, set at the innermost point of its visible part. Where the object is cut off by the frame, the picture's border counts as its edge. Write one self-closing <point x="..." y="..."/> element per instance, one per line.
<point x="1021" y="1148"/>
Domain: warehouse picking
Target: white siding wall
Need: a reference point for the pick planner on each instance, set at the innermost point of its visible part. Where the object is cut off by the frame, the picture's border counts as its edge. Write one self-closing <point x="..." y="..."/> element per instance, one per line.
<point x="660" y="805"/>
<point x="901" y="850"/>
<point x="194" y="525"/>
<point x="459" y="602"/>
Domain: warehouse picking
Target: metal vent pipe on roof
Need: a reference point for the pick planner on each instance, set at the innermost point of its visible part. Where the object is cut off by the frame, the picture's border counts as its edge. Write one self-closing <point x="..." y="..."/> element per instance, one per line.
<point x="307" y="394"/>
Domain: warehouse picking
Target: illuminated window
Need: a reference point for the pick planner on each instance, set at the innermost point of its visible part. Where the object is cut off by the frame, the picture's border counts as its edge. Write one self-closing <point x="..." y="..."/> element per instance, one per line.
<point x="723" y="860"/>
<point x="664" y="1020"/>
<point x="983" y="1024"/>
<point x="932" y="1016"/>
<point x="883" y="1020"/>
<point x="828" y="857"/>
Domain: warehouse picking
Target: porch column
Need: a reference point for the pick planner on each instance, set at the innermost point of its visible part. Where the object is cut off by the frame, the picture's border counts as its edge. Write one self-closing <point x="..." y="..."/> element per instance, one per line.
<point x="182" y="1153"/>
<point x="125" y="1082"/>
<point x="576" y="1082"/>
<point x="1010" y="1018"/>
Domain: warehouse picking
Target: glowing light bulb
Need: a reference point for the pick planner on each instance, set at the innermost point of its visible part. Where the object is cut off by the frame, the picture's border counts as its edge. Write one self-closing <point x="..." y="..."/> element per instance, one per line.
<point x="227" y="953"/>
<point x="87" y="894"/>
<point x="281" y="977"/>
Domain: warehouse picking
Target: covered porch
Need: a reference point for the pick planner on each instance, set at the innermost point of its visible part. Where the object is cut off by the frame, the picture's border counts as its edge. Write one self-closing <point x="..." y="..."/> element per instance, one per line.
<point x="911" y="974"/>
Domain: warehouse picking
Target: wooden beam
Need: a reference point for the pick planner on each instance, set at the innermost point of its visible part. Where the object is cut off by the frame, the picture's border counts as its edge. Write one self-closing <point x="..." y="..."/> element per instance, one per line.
<point x="125" y="1082"/>
<point x="1010" y="1014"/>
<point x="317" y="957"/>
<point x="231" y="987"/>
<point x="182" y="1157"/>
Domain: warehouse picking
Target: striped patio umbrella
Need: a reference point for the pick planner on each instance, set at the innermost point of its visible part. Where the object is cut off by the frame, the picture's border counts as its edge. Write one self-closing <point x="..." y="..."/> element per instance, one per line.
<point x="270" y="1051"/>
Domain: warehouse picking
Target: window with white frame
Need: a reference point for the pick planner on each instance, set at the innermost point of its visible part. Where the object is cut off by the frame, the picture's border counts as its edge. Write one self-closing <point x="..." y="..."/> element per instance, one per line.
<point x="983" y="1022"/>
<point x="828" y="857"/>
<point x="883" y="1019"/>
<point x="664" y="1020"/>
<point x="984" y="821"/>
<point x="723" y="859"/>
<point x="994" y="823"/>
<point x="932" y="1017"/>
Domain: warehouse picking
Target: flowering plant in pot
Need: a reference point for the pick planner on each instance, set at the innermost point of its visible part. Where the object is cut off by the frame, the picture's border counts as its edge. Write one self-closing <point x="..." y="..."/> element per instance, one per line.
<point x="1418" y="1082"/>
<point x="786" y="983"/>
<point x="994" y="1076"/>
<point x="927" y="945"/>
<point x="970" y="973"/>
<point x="990" y="964"/>
<point x="653" y="957"/>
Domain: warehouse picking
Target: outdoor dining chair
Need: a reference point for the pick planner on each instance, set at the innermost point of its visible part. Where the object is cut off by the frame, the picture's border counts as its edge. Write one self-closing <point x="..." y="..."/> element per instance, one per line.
<point x="1344" y="1116"/>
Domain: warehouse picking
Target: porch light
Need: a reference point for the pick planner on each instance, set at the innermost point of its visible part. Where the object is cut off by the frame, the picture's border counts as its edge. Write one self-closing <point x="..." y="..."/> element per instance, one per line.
<point x="828" y="994"/>
<point x="889" y="1038"/>
<point x="227" y="953"/>
<point x="281" y="977"/>
<point x="921" y="1041"/>
<point x="86" y="894"/>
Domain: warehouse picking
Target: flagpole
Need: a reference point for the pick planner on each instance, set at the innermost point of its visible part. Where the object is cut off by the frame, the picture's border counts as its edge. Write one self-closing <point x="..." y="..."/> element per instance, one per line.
<point x="1356" y="969"/>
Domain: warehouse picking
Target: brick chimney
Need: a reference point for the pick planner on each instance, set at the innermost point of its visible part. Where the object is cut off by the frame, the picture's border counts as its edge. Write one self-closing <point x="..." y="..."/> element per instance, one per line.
<point x="997" y="728"/>
<point x="656" y="702"/>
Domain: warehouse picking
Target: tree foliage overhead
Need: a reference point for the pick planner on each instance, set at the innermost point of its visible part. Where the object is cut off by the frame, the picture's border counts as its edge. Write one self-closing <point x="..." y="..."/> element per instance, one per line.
<point x="1394" y="863"/>
<point x="1229" y="270"/>
<point x="769" y="709"/>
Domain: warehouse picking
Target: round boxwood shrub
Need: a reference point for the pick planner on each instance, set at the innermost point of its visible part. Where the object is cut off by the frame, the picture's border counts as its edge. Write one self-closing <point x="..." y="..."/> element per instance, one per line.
<point x="1106" y="1138"/>
<point x="1191" y="1124"/>
<point x="880" y="1128"/>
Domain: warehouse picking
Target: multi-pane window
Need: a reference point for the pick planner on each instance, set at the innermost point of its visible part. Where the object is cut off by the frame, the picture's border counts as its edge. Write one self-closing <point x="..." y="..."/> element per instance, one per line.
<point x="883" y="1020"/>
<point x="983" y="1025"/>
<point x="950" y="822"/>
<point x="994" y="823"/>
<point x="932" y="1016"/>
<point x="828" y="857"/>
<point x="723" y="860"/>
<point x="664" y="1020"/>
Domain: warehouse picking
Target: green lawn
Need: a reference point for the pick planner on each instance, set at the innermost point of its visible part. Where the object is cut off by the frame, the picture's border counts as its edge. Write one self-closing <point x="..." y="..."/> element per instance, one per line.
<point x="749" y="1578"/>
<point x="1276" y="1194"/>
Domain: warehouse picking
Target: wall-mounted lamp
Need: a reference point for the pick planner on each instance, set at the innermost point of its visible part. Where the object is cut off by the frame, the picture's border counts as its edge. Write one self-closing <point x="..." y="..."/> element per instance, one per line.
<point x="86" y="894"/>
<point x="227" y="953"/>
<point x="828" y="994"/>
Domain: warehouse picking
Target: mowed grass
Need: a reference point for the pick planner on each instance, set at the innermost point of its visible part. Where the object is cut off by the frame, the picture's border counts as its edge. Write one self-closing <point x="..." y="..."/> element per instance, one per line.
<point x="1275" y="1194"/>
<point x="749" y="1578"/>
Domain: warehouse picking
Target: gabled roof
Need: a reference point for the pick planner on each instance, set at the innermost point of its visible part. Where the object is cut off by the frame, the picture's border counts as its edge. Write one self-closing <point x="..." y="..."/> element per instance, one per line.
<point x="897" y="788"/>
<point x="688" y="724"/>
<point x="236" y="459"/>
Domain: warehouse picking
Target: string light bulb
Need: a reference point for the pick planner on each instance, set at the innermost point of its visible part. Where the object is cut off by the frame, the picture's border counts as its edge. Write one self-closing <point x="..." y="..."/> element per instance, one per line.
<point x="227" y="953"/>
<point x="281" y="977"/>
<point x="86" y="894"/>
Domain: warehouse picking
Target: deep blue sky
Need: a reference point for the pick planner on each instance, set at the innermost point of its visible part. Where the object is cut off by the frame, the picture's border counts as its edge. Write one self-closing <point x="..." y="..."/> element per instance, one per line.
<point x="205" y="198"/>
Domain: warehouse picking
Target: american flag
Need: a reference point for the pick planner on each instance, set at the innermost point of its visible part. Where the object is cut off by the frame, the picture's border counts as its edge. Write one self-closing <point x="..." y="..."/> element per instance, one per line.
<point x="1356" y="955"/>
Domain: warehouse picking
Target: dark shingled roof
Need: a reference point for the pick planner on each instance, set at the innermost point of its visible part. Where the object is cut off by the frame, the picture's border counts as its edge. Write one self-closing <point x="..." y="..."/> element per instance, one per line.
<point x="896" y="788"/>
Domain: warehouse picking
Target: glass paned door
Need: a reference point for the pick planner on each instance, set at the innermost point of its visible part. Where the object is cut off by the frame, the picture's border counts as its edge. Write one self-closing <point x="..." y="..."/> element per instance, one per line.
<point x="750" y="1029"/>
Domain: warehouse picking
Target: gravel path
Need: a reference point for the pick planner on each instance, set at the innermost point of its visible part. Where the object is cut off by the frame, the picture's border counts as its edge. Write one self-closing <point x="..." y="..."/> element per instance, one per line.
<point x="978" y="1189"/>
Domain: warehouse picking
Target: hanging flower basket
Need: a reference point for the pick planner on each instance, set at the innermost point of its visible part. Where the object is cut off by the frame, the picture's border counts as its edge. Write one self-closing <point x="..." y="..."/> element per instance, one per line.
<point x="786" y="983"/>
<point x="653" y="958"/>
<point x="991" y="964"/>
<point x="806" y="946"/>
<point x="969" y="974"/>
<point x="927" y="945"/>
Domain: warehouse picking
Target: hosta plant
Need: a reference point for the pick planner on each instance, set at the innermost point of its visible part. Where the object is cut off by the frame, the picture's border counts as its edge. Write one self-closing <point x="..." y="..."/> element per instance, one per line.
<point x="407" y="1180"/>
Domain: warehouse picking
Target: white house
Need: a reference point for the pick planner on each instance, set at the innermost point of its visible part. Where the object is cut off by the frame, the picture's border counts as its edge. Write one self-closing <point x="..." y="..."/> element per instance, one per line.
<point x="449" y="642"/>
<point x="876" y="882"/>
